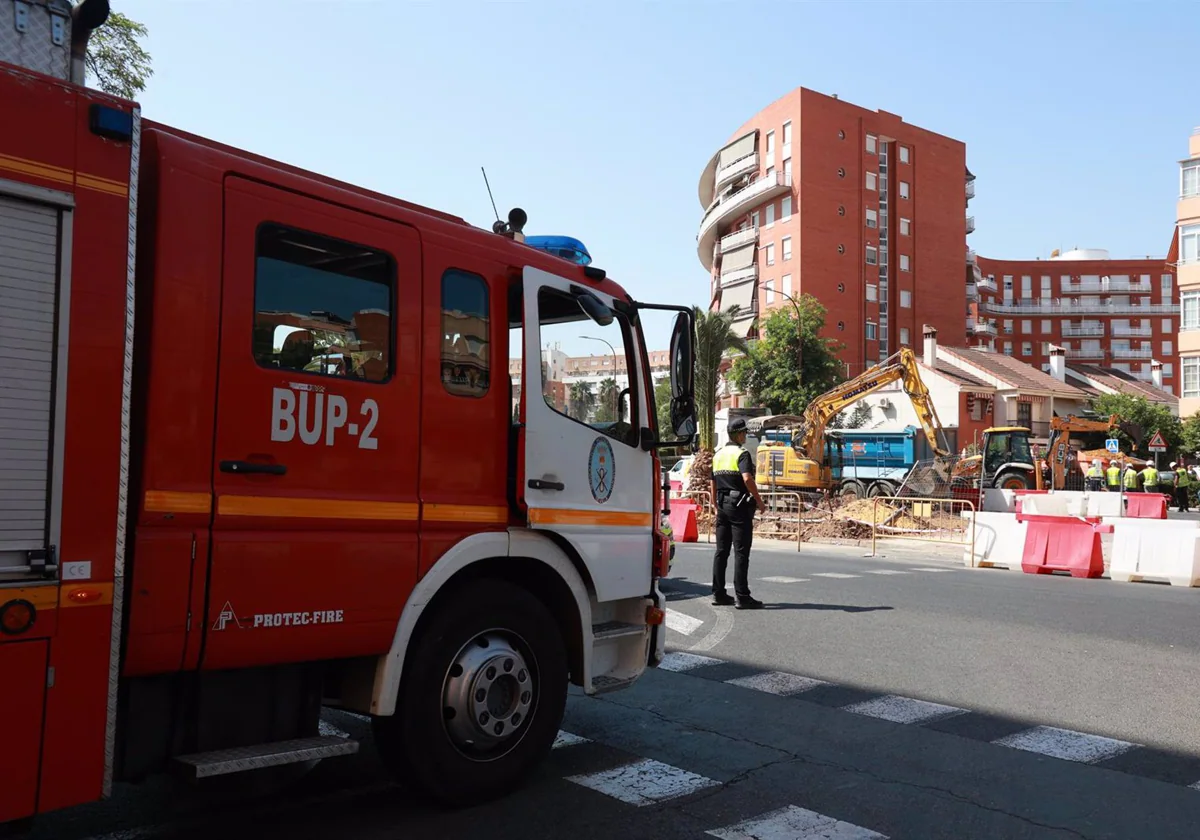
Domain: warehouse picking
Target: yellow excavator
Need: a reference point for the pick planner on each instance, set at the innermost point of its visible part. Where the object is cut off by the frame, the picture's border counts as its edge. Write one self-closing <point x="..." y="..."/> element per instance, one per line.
<point x="807" y="463"/>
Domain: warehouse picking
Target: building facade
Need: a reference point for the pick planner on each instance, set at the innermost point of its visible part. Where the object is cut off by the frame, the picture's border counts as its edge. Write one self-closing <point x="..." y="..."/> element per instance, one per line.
<point x="863" y="211"/>
<point x="1118" y="314"/>
<point x="1185" y="253"/>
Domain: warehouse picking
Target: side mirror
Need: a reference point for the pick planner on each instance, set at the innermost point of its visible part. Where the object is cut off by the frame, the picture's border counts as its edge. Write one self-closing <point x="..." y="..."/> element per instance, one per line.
<point x="593" y="307"/>
<point x="683" y="373"/>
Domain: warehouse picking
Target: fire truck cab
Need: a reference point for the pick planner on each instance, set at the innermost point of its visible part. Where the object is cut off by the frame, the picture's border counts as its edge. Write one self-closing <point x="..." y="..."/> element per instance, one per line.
<point x="233" y="485"/>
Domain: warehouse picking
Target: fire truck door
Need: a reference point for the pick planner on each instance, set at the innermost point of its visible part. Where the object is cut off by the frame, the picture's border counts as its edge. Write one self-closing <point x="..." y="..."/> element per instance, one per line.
<point x="314" y="543"/>
<point x="586" y="476"/>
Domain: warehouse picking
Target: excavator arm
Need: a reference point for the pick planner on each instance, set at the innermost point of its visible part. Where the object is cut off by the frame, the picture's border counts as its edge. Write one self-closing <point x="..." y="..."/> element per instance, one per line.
<point x="1060" y="434"/>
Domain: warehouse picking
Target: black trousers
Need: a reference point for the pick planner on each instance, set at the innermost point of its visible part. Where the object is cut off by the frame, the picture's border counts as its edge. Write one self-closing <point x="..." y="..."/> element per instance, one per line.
<point x="735" y="529"/>
<point x="1181" y="498"/>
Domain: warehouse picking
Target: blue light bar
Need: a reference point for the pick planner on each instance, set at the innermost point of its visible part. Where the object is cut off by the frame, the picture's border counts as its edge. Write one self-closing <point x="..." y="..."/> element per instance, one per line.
<point x="565" y="247"/>
<point x="112" y="123"/>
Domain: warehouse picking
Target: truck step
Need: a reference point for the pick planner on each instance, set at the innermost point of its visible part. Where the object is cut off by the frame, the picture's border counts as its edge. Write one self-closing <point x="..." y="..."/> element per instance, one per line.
<point x="242" y="759"/>
<point x="615" y="630"/>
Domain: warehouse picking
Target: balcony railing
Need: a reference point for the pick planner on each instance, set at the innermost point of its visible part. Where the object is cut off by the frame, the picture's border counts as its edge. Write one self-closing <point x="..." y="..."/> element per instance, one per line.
<point x="971" y="255"/>
<point x="972" y="291"/>
<point x="736" y="169"/>
<point x="1133" y="352"/>
<point x="1132" y="332"/>
<point x="1072" y="308"/>
<point x="728" y="278"/>
<point x="970" y="224"/>
<point x="970" y="189"/>
<point x="1102" y="287"/>
<point x="984" y="328"/>
<point x="731" y="205"/>
<point x="1085" y="353"/>
<point x="987" y="284"/>
<point x="1082" y="330"/>
<point x="737" y="239"/>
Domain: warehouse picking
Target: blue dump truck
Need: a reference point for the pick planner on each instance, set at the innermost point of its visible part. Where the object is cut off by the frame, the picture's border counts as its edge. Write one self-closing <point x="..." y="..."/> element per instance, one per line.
<point x="872" y="462"/>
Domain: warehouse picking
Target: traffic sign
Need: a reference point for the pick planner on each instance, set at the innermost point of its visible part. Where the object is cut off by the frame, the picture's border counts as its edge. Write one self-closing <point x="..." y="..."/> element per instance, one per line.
<point x="1157" y="444"/>
<point x="1113" y="445"/>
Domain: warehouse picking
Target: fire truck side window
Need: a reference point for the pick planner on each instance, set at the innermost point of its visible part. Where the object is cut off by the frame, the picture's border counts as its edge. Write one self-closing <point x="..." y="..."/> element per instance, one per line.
<point x="321" y="305"/>
<point x="465" y="325"/>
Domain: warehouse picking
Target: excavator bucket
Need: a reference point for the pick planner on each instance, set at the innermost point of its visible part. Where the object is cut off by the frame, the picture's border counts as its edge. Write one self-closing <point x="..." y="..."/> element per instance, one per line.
<point x="1134" y="431"/>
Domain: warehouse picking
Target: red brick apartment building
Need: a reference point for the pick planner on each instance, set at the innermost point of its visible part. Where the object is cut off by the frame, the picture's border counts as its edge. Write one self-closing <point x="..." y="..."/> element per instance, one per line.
<point x="858" y="208"/>
<point x="1117" y="314"/>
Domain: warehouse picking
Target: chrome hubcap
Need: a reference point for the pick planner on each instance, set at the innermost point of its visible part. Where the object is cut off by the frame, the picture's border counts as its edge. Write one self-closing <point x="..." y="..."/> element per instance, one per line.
<point x="487" y="694"/>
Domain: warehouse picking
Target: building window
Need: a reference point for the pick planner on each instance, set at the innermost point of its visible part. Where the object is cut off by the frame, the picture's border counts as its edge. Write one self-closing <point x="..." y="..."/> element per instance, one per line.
<point x="1008" y="327"/>
<point x="785" y="208"/>
<point x="786" y="283"/>
<point x="870" y="180"/>
<point x="1168" y="286"/>
<point x="904" y="262"/>
<point x="872" y="218"/>
<point x="905" y="299"/>
<point x="1008" y="351"/>
<point x="905" y="226"/>
<point x="872" y="256"/>
<point x="1026" y="287"/>
<point x="347" y="329"/>
<point x="872" y="292"/>
<point x="787" y="248"/>
<point x="904" y="189"/>
<point x="770" y="291"/>
<point x="1047" y="327"/>
<point x="1026" y="348"/>
<point x="771" y="144"/>
<point x="787" y="170"/>
<point x="871" y="146"/>
<point x="770" y="253"/>
<point x="754" y="219"/>
<point x="904" y="154"/>
<point x="1191" y="376"/>
<point x="1189" y="311"/>
<point x="904" y="336"/>
<point x="1168" y="370"/>
<point x="1168" y="348"/>
<point x="871" y="333"/>
<point x="1189" y="179"/>
<point x="770" y="173"/>
<point x="1189" y="243"/>
<point x="1166" y="325"/>
<point x="787" y="133"/>
<point x="1026" y="327"/>
<point x="771" y="214"/>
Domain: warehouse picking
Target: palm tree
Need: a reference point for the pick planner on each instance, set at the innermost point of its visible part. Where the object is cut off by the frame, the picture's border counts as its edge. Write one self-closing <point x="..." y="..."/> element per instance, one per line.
<point x="581" y="400"/>
<point x="606" y="410"/>
<point x="715" y="337"/>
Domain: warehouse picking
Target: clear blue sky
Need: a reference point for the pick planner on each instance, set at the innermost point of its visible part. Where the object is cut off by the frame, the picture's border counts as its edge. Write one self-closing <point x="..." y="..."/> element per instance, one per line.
<point x="598" y="118"/>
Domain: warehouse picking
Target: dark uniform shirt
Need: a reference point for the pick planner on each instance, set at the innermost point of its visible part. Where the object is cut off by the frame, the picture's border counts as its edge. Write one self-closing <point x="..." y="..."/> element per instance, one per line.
<point x="729" y="463"/>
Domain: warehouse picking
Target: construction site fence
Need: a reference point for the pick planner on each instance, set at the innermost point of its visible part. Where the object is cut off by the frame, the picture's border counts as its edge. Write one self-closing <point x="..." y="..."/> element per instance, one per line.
<point x="935" y="520"/>
<point x="781" y="520"/>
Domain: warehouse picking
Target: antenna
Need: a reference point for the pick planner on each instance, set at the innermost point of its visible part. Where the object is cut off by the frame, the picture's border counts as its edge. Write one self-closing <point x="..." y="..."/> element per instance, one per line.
<point x="489" y="189"/>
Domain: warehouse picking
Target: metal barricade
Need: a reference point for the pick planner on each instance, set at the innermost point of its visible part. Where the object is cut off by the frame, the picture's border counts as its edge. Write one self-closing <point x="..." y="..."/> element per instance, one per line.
<point x="923" y="519"/>
<point x="784" y="509"/>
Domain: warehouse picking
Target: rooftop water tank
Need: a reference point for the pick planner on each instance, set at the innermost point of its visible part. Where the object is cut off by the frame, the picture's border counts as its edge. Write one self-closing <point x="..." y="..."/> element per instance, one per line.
<point x="1083" y="254"/>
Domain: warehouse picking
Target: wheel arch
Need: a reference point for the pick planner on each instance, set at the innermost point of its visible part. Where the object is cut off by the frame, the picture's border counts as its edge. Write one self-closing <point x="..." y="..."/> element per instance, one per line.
<point x="530" y="560"/>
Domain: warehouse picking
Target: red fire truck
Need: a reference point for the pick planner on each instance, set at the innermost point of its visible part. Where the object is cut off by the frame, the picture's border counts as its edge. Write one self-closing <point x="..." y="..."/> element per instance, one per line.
<point x="234" y="488"/>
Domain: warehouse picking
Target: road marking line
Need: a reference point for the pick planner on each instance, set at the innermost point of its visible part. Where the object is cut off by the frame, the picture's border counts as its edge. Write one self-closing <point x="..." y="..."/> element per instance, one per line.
<point x="1195" y="785"/>
<point x="885" y="572"/>
<point x="780" y="579"/>
<point x="682" y="661"/>
<point x="792" y="823"/>
<point x="721" y="629"/>
<point x="777" y="682"/>
<point x="644" y="782"/>
<point x="682" y="622"/>
<point x="1066" y="744"/>
<point x="837" y="575"/>
<point x="930" y="569"/>
<point x="569" y="739"/>
<point x="899" y="709"/>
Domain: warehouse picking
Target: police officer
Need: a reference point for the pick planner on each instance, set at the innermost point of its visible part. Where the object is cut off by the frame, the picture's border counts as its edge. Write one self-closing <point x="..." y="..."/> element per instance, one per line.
<point x="1094" y="476"/>
<point x="1113" y="474"/>
<point x="1183" y="486"/>
<point x="735" y="497"/>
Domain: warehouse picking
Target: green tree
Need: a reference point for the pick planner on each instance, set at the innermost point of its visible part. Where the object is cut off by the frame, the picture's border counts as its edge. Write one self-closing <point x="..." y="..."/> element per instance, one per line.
<point x="580" y="400"/>
<point x="1190" y="435"/>
<point x="860" y="415"/>
<point x="662" y="407"/>
<point x="715" y="337"/>
<point x="769" y="373"/>
<point x="606" y="403"/>
<point x="1150" y="417"/>
<point x="116" y="58"/>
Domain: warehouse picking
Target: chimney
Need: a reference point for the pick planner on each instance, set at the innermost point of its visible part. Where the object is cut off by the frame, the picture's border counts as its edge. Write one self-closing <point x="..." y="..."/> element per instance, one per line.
<point x="930" y="358"/>
<point x="1058" y="363"/>
<point x="1156" y="373"/>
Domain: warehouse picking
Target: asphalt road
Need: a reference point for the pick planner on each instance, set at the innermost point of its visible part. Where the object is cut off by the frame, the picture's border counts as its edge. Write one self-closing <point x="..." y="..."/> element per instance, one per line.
<point x="904" y="698"/>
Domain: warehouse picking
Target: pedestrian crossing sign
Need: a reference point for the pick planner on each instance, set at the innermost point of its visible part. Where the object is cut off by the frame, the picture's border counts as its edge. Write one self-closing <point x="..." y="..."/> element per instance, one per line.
<point x="1113" y="445"/>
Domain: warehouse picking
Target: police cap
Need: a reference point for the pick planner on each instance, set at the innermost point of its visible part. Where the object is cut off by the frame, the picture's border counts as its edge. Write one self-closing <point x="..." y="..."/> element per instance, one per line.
<point x="737" y="424"/>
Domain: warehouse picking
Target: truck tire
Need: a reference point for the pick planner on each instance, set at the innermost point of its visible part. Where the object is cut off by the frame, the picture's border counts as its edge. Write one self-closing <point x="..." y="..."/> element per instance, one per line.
<point x="1013" y="481"/>
<point x="482" y="696"/>
<point x="852" y="490"/>
<point x="881" y="488"/>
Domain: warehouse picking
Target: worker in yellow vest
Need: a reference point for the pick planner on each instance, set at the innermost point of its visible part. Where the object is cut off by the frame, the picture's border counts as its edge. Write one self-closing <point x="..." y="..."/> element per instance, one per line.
<point x="1113" y="476"/>
<point x="1150" y="479"/>
<point x="1093" y="477"/>
<point x="1131" y="479"/>
<point x="1183" y="486"/>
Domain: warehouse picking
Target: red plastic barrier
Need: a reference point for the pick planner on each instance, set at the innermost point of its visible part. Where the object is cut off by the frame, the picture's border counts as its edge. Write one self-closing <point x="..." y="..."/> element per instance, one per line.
<point x="1146" y="506"/>
<point x="1062" y="544"/>
<point x="683" y="521"/>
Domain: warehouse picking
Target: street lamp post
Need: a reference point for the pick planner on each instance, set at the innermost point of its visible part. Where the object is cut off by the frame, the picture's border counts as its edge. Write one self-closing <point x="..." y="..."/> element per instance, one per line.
<point x="616" y="401"/>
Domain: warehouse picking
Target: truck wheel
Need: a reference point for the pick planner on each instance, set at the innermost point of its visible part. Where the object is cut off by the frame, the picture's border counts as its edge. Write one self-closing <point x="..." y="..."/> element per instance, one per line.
<point x="482" y="696"/>
<point x="1013" y="481"/>
<point x="880" y="488"/>
<point x="853" y="490"/>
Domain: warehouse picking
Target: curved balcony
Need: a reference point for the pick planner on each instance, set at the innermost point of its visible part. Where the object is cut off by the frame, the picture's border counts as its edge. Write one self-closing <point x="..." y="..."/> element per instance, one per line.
<point x="735" y="204"/>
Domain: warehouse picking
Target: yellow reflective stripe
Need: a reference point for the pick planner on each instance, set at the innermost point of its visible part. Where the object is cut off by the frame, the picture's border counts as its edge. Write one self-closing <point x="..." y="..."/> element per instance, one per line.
<point x="726" y="460"/>
<point x="276" y="506"/>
